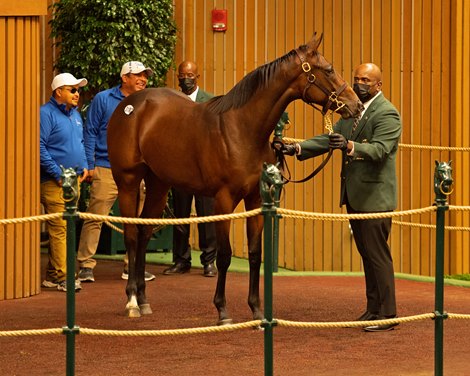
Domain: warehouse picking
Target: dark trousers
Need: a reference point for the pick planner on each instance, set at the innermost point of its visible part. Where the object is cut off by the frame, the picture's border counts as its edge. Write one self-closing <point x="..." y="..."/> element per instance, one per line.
<point x="182" y="202"/>
<point x="371" y="237"/>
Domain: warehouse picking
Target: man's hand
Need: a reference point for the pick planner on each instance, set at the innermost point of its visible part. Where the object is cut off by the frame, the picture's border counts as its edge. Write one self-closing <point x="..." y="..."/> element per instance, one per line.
<point x="290" y="149"/>
<point x="89" y="177"/>
<point x="338" y="141"/>
<point x="83" y="176"/>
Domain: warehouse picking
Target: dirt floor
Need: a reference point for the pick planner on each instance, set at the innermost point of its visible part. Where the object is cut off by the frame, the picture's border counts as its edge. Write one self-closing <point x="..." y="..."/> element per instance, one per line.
<point x="186" y="301"/>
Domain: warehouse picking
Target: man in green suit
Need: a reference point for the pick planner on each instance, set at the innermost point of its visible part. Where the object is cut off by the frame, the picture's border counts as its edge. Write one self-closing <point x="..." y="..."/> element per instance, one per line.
<point x="182" y="201"/>
<point x="368" y="184"/>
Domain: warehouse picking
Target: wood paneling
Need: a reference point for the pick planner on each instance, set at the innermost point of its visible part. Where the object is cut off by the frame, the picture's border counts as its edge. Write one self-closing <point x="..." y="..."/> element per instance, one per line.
<point x="19" y="158"/>
<point x="459" y="123"/>
<point x="423" y="49"/>
<point x="23" y="7"/>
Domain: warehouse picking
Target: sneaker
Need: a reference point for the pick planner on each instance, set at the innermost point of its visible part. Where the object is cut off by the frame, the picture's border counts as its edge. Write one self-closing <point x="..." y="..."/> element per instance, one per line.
<point x="62" y="286"/>
<point x="148" y="276"/>
<point x="86" y="275"/>
<point x="49" y="284"/>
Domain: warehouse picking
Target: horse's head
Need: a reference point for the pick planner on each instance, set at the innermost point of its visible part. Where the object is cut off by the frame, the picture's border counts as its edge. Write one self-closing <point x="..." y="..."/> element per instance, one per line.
<point x="271" y="183"/>
<point x="69" y="184"/>
<point x="443" y="181"/>
<point x="321" y="84"/>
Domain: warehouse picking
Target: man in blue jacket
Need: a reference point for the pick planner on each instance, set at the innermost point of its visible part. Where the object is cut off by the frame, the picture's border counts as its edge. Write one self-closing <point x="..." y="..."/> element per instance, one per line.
<point x="103" y="192"/>
<point x="60" y="144"/>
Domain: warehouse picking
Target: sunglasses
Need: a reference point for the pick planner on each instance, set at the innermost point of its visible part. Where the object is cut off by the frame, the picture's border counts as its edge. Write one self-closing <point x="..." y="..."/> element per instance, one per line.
<point x="72" y="90"/>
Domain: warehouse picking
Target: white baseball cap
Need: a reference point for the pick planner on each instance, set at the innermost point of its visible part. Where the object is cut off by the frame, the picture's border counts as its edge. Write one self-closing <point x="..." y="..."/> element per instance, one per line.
<point x="64" y="79"/>
<point x="135" y="67"/>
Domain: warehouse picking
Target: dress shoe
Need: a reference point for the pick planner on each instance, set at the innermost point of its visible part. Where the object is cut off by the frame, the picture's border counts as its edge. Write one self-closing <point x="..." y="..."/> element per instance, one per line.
<point x="381" y="328"/>
<point x="177" y="269"/>
<point x="210" y="270"/>
<point x="367" y="316"/>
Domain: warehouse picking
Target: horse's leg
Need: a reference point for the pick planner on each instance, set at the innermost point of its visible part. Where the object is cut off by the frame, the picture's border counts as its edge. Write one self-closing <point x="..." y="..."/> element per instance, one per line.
<point x="128" y="201"/>
<point x="155" y="201"/>
<point x="254" y="228"/>
<point x="223" y="204"/>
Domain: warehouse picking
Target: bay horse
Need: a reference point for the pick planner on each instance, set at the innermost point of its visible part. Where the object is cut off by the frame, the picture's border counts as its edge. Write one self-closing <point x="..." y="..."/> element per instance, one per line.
<point x="215" y="149"/>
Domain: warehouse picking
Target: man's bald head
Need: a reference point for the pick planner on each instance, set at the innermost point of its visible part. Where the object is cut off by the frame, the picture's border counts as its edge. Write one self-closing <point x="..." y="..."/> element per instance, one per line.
<point x="188" y="66"/>
<point x="367" y="81"/>
<point x="187" y="76"/>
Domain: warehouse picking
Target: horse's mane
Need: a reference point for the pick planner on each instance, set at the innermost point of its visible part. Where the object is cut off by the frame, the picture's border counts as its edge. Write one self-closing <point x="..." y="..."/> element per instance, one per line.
<point x="242" y="92"/>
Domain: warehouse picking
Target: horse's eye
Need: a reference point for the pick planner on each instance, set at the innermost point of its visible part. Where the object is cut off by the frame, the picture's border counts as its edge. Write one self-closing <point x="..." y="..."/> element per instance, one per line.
<point x="330" y="70"/>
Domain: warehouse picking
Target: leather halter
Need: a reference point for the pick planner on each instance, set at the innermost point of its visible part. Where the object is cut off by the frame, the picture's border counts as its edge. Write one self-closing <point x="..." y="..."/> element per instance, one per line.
<point x="312" y="80"/>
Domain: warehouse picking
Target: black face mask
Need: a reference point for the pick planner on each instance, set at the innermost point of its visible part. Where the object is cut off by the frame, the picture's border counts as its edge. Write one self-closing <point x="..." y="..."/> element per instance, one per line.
<point x="187" y="84"/>
<point x="362" y="91"/>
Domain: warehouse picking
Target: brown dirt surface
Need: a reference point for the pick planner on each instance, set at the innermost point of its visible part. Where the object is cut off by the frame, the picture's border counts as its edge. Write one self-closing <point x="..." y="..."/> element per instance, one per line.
<point x="185" y="301"/>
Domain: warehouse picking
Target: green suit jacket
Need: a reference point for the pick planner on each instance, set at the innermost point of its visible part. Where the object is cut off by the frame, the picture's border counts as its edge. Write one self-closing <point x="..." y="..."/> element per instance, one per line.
<point x="368" y="178"/>
<point x="203" y="96"/>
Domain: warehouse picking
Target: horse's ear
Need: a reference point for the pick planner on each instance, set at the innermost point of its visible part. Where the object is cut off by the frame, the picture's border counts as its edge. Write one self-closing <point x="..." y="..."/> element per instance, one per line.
<point x="436" y="162"/>
<point x="450" y="163"/>
<point x="315" y="42"/>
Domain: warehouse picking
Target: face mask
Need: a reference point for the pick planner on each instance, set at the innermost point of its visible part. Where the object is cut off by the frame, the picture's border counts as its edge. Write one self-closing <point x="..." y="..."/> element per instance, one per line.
<point x="362" y="91"/>
<point x="187" y="84"/>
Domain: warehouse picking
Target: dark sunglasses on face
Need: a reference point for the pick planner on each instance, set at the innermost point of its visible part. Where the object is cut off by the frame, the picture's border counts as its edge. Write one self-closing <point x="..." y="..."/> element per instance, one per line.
<point x="73" y="90"/>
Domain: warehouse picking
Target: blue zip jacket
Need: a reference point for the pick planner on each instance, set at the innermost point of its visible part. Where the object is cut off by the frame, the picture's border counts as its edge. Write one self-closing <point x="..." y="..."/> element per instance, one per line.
<point x="96" y="128"/>
<point x="60" y="140"/>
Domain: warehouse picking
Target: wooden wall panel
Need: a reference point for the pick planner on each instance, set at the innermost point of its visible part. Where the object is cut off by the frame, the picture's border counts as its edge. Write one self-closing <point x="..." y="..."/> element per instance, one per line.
<point x="423" y="49"/>
<point x="19" y="158"/>
<point x="459" y="257"/>
<point x="411" y="42"/>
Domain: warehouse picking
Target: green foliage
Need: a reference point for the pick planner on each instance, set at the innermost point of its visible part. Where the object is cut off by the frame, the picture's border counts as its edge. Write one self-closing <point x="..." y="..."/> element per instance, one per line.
<point x="96" y="37"/>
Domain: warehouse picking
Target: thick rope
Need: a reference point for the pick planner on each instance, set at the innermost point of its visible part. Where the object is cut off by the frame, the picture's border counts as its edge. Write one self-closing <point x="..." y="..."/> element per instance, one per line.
<point x="172" y="332"/>
<point x="31" y="332"/>
<point x="170" y="221"/>
<point x="228" y="328"/>
<point x="458" y="316"/>
<point x="431" y="227"/>
<point x="44" y="217"/>
<point x="350" y="324"/>
<point x="288" y="213"/>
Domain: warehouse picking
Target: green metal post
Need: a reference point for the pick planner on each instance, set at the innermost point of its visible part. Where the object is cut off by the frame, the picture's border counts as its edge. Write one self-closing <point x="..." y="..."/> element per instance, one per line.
<point x="439" y="293"/>
<point x="70" y="194"/>
<point x="278" y="134"/>
<point x="268" y="291"/>
<point x="443" y="185"/>
<point x="270" y="186"/>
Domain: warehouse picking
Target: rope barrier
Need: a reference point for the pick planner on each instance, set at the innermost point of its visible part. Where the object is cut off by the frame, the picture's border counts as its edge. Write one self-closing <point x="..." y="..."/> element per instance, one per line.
<point x="431" y="227"/>
<point x="44" y="217"/>
<point x="350" y="324"/>
<point x="31" y="332"/>
<point x="170" y="221"/>
<point x="173" y="332"/>
<point x="288" y="213"/>
<point x="230" y="328"/>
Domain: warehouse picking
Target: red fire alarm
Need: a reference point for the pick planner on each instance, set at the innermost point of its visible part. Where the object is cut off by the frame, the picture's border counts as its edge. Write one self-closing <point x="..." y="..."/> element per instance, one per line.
<point x="219" y="19"/>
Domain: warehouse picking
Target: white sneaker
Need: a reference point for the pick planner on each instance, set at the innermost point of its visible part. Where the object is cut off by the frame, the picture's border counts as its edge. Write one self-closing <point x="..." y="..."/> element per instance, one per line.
<point x="49" y="284"/>
<point x="148" y="276"/>
<point x="62" y="286"/>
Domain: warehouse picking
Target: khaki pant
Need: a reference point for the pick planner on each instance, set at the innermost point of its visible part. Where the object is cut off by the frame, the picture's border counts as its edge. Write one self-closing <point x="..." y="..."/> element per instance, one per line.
<point x="51" y="199"/>
<point x="103" y="195"/>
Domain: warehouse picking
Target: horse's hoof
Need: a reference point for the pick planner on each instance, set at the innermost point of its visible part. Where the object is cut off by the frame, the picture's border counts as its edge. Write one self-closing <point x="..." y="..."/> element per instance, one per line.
<point x="133" y="312"/>
<point x="145" y="309"/>
<point x="225" y="322"/>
